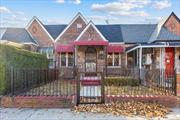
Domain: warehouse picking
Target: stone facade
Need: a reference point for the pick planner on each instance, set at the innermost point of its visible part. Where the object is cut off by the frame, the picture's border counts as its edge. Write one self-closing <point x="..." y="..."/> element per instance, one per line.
<point x="39" y="34"/>
<point x="177" y="66"/>
<point x="80" y="58"/>
<point x="178" y="84"/>
<point x="73" y="31"/>
<point x="173" y="25"/>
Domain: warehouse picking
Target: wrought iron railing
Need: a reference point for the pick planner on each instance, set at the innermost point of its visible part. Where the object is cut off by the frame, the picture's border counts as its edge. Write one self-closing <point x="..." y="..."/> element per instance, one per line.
<point x="38" y="82"/>
<point x="63" y="81"/>
<point x="130" y="81"/>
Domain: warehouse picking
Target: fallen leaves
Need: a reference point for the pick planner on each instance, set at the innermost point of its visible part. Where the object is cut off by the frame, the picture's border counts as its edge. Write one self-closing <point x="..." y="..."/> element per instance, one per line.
<point x="128" y="108"/>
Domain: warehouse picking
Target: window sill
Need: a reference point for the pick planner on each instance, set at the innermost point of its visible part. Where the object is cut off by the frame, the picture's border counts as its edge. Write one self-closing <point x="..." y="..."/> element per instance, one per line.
<point x="113" y="66"/>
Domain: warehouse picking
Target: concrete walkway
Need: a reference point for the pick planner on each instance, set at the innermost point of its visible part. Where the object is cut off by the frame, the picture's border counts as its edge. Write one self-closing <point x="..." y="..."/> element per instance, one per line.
<point x="67" y="114"/>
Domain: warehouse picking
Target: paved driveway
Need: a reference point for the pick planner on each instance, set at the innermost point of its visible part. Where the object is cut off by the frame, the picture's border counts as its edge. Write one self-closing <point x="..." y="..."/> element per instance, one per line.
<point x="67" y="114"/>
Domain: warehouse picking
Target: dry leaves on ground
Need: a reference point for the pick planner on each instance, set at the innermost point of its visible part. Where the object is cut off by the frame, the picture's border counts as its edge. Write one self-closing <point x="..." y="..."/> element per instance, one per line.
<point x="129" y="108"/>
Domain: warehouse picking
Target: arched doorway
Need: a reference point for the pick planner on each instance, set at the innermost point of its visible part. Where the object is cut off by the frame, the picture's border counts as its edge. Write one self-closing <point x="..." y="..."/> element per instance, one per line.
<point x="90" y="59"/>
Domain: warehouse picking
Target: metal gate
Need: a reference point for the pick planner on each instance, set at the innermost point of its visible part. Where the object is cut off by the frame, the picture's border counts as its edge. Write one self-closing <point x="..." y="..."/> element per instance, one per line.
<point x="90" y="89"/>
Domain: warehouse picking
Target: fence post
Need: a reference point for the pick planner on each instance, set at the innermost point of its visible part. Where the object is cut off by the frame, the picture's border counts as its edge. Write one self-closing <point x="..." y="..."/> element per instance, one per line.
<point x="78" y="88"/>
<point x="139" y="75"/>
<point x="175" y="82"/>
<point x="102" y="88"/>
<point x="12" y="81"/>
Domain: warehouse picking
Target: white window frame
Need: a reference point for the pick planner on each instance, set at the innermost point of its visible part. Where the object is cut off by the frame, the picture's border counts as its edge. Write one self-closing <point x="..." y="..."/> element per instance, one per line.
<point x="113" y="60"/>
<point x="66" y="60"/>
<point x="47" y="53"/>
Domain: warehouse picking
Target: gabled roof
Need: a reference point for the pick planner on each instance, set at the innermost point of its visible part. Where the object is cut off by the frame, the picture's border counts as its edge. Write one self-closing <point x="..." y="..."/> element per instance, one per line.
<point x="41" y="24"/>
<point x="172" y="14"/>
<point x="160" y="32"/>
<point x="128" y="33"/>
<point x="111" y="32"/>
<point x="166" y="35"/>
<point x="77" y="16"/>
<point x="86" y="28"/>
<point x="55" y="30"/>
<point x="18" y="35"/>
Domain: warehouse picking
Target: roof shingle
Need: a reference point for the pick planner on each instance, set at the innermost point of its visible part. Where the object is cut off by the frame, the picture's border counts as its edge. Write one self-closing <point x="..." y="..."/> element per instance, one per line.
<point x="55" y="30"/>
<point x="137" y="33"/>
<point x="18" y="35"/>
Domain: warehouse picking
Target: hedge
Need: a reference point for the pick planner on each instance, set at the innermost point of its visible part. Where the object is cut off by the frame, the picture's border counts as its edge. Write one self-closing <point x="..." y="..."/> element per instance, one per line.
<point x="121" y="81"/>
<point x="11" y="56"/>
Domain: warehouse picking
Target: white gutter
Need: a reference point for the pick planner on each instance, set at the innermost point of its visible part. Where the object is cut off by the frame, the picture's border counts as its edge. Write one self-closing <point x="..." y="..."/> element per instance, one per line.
<point x="152" y="46"/>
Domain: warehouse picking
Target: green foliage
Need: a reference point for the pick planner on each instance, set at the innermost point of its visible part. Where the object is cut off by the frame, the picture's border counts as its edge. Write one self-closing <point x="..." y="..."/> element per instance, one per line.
<point x="11" y="56"/>
<point x="121" y="81"/>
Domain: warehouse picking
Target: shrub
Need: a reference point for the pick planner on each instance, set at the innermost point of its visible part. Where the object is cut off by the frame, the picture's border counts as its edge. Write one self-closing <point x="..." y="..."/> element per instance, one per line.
<point x="11" y="56"/>
<point x="121" y="81"/>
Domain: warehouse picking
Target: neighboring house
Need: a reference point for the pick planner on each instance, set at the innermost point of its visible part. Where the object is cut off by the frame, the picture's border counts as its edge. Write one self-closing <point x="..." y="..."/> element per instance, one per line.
<point x="18" y="35"/>
<point x="93" y="47"/>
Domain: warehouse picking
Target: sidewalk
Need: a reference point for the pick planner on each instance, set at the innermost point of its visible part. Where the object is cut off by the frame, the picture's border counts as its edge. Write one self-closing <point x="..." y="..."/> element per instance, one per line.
<point x="67" y="114"/>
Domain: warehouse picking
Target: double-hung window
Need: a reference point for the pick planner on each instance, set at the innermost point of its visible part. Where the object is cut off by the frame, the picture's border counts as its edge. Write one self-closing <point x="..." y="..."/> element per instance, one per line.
<point x="66" y="59"/>
<point x="63" y="59"/>
<point x="113" y="59"/>
<point x="110" y="59"/>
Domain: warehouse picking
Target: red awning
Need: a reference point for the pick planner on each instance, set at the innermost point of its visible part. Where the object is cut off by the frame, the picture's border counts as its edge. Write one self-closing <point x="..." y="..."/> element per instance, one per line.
<point x="64" y="48"/>
<point x="115" y="48"/>
<point x="92" y="42"/>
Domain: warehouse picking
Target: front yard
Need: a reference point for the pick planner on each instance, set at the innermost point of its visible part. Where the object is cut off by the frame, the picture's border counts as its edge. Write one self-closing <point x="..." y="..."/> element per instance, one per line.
<point x="68" y="88"/>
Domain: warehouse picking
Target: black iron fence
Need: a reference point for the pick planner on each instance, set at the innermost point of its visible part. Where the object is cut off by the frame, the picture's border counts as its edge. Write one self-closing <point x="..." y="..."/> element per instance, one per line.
<point x="38" y="82"/>
<point x="63" y="81"/>
<point x="132" y="81"/>
<point x="67" y="72"/>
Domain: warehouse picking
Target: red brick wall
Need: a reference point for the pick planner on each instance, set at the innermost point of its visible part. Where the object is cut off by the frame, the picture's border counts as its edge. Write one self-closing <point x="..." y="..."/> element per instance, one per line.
<point x="91" y="34"/>
<point x="39" y="34"/>
<point x="72" y="32"/>
<point x="67" y="102"/>
<point x="169" y="101"/>
<point x="173" y="25"/>
<point x="38" y="102"/>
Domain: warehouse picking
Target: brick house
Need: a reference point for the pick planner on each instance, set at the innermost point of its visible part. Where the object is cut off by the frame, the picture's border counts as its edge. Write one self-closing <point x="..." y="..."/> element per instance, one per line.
<point x="93" y="47"/>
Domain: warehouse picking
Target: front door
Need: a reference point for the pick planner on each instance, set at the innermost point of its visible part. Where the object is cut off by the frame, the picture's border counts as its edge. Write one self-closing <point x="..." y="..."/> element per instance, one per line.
<point x="90" y="89"/>
<point x="90" y="59"/>
<point x="169" y="61"/>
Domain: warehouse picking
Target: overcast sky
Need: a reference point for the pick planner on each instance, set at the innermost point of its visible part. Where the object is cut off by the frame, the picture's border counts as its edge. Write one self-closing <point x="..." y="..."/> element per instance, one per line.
<point x="17" y="13"/>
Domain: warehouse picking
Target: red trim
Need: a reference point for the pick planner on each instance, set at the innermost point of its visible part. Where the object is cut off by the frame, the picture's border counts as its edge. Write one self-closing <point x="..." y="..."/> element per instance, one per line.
<point x="90" y="82"/>
<point x="92" y="42"/>
<point x="64" y="48"/>
<point x="45" y="97"/>
<point x="115" y="48"/>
